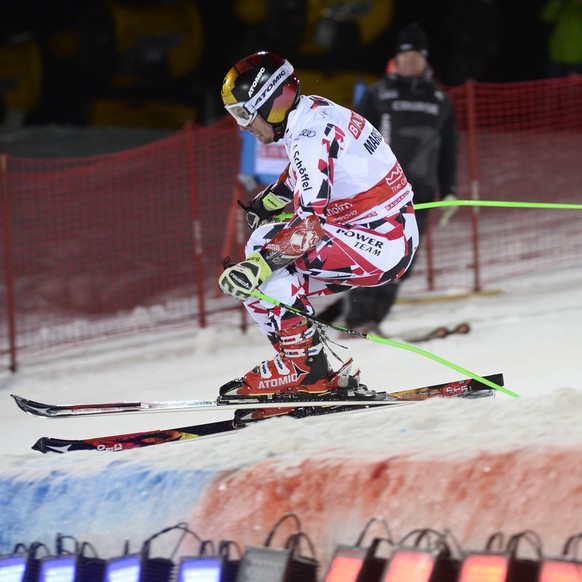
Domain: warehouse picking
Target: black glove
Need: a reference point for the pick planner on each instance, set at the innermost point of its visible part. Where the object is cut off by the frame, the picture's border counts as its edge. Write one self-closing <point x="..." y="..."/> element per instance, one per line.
<point x="266" y="204"/>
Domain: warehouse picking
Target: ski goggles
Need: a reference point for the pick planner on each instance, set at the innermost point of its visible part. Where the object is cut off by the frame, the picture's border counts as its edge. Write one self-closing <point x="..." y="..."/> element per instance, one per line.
<point x="241" y="113"/>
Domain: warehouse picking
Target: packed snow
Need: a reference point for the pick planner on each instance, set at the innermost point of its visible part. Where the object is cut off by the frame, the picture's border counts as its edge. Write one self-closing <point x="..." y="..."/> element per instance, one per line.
<point x="529" y="329"/>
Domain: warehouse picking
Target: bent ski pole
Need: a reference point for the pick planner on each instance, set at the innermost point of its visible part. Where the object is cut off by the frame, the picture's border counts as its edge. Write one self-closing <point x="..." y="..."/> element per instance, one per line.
<point x="492" y="203"/>
<point x="497" y="203"/>
<point x="383" y="340"/>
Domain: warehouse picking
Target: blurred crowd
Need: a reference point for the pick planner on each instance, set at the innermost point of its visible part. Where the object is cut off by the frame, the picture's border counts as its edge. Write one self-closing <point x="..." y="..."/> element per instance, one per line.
<point x="158" y="63"/>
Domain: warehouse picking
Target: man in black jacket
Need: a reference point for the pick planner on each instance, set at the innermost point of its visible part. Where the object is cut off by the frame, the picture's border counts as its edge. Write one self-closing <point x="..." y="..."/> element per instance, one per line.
<point x="417" y="120"/>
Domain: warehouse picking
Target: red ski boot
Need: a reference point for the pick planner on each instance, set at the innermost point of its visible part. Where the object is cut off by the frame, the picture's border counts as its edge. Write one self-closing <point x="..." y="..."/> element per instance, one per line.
<point x="342" y="385"/>
<point x="300" y="367"/>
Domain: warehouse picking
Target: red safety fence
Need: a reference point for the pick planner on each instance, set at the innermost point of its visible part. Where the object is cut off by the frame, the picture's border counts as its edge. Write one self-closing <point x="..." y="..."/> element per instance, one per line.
<point x="110" y="244"/>
<point x="519" y="142"/>
<point x="100" y="246"/>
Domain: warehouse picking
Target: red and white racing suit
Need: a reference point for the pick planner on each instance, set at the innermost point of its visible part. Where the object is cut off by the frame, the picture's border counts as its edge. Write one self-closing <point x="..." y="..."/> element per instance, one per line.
<point x="344" y="173"/>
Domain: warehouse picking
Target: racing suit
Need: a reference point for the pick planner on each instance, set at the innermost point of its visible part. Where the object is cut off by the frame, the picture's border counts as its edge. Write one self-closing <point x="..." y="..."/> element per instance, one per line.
<point x="342" y="172"/>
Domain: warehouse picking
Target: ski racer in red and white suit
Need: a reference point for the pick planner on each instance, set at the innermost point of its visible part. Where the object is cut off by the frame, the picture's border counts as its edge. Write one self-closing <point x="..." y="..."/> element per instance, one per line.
<point x="353" y="221"/>
<point x="342" y="172"/>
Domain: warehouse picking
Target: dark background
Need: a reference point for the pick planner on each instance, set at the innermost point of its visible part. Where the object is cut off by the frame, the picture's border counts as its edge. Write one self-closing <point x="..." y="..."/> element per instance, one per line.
<point x="511" y="47"/>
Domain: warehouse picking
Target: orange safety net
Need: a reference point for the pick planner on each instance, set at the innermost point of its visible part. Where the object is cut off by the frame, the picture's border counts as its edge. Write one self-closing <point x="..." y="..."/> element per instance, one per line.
<point x="98" y="246"/>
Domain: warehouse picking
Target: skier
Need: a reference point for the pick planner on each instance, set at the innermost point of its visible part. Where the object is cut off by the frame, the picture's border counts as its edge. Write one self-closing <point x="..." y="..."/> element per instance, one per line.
<point x="353" y="222"/>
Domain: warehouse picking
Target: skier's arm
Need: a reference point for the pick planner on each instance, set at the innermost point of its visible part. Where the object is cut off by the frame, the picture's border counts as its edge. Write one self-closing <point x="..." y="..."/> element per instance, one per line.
<point x="242" y="279"/>
<point x="269" y="202"/>
<point x="311" y="171"/>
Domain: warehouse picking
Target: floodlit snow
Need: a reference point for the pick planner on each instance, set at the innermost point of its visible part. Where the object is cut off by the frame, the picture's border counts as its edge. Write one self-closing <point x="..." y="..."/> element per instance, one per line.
<point x="530" y="330"/>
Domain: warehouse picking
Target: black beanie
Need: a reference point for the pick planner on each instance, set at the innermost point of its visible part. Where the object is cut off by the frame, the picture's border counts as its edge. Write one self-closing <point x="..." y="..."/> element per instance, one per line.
<point x="412" y="38"/>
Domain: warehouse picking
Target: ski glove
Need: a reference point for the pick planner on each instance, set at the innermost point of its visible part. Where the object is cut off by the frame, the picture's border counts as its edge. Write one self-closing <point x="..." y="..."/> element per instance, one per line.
<point x="447" y="212"/>
<point x="267" y="204"/>
<point x="241" y="279"/>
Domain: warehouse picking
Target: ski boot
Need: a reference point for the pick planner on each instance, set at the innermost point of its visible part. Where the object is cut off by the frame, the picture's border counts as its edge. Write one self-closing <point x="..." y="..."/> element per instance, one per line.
<point x="342" y="385"/>
<point x="299" y="372"/>
<point x="301" y="367"/>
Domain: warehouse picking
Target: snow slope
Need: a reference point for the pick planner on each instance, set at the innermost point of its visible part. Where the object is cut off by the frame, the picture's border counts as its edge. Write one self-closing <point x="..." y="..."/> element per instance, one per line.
<point x="474" y="467"/>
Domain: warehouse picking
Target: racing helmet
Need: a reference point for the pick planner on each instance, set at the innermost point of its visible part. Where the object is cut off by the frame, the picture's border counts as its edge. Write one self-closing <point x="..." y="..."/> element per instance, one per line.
<point x="262" y="83"/>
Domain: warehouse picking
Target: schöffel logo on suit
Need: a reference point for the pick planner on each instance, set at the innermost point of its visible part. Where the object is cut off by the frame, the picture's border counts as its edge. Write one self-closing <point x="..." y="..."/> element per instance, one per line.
<point x="307" y="133"/>
<point x="301" y="171"/>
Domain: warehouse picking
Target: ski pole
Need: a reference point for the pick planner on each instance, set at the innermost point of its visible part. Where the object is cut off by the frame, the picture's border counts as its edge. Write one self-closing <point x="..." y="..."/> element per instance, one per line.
<point x="495" y="203"/>
<point x="390" y="342"/>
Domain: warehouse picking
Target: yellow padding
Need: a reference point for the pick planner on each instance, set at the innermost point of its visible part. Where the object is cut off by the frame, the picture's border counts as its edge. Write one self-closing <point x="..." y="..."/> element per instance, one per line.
<point x="372" y="18"/>
<point x="179" y="23"/>
<point x="21" y="74"/>
<point x="338" y="87"/>
<point x="150" y="114"/>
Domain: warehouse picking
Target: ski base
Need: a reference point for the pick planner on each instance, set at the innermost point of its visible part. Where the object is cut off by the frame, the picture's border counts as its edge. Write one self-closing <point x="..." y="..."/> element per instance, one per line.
<point x="468" y="388"/>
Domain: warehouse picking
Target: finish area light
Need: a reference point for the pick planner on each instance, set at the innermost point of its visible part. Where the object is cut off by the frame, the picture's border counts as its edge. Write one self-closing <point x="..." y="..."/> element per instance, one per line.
<point x="201" y="569"/>
<point x="484" y="568"/>
<point x="346" y="564"/>
<point x="123" y="569"/>
<point x="58" y="569"/>
<point x="13" y="568"/>
<point x="553" y="570"/>
<point x="410" y="566"/>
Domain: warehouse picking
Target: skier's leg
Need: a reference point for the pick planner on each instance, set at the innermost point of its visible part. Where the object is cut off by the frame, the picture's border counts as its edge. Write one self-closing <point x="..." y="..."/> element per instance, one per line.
<point x="301" y="363"/>
<point x="369" y="306"/>
<point x="344" y="257"/>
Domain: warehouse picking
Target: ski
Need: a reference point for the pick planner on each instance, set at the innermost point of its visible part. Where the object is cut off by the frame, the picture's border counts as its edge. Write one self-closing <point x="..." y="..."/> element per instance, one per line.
<point x="468" y="388"/>
<point x="106" y="408"/>
<point x="439" y="332"/>
<point x="138" y="440"/>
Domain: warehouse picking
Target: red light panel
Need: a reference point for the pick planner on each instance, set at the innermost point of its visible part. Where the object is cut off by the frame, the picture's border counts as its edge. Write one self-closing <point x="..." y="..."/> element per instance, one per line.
<point x="344" y="569"/>
<point x="560" y="571"/>
<point x="409" y="566"/>
<point x="484" y="568"/>
<point x="346" y="564"/>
